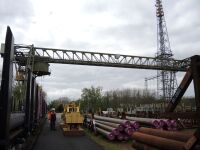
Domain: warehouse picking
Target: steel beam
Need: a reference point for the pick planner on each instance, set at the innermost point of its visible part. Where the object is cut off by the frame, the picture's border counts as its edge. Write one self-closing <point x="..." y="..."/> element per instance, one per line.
<point x="6" y="90"/>
<point x="62" y="56"/>
<point x="43" y="106"/>
<point x="36" y="117"/>
<point x="180" y="91"/>
<point x="195" y="65"/>
<point x="32" y="107"/>
<point x="193" y="73"/>
<point x="28" y="102"/>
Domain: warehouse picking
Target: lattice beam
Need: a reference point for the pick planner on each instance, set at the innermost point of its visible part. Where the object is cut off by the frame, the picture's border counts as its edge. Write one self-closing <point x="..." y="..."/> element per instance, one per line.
<point x="62" y="56"/>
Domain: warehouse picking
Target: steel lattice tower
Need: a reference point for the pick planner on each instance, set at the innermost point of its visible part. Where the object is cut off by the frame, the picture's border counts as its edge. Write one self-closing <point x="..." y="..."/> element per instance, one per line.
<point x="166" y="80"/>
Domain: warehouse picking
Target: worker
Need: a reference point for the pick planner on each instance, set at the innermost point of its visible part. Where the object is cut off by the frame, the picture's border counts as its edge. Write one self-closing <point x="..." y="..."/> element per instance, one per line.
<point x="49" y="115"/>
<point x="53" y="119"/>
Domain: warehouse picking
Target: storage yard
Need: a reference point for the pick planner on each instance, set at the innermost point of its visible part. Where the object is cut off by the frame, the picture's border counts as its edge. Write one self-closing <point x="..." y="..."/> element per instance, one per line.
<point x="27" y="122"/>
<point x="159" y="133"/>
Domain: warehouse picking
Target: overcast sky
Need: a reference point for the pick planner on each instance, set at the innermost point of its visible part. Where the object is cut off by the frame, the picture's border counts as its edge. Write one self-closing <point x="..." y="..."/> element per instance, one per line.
<point x="113" y="26"/>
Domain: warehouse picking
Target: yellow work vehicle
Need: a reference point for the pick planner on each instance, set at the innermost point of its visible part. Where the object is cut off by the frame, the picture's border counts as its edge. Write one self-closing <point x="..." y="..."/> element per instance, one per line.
<point x="72" y="120"/>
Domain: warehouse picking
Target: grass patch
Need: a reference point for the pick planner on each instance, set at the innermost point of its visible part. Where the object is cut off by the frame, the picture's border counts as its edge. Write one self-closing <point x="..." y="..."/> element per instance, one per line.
<point x="109" y="145"/>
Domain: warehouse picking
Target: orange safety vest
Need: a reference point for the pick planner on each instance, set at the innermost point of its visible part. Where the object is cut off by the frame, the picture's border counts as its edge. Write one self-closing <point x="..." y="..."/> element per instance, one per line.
<point x="49" y="115"/>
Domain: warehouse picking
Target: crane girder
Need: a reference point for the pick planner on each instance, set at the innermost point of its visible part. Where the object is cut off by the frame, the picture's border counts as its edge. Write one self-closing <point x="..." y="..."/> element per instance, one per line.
<point x="51" y="55"/>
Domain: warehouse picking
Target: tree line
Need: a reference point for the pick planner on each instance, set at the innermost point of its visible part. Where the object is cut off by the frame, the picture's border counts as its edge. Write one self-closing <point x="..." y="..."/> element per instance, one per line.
<point x="19" y="96"/>
<point x="94" y="99"/>
<point x="58" y="104"/>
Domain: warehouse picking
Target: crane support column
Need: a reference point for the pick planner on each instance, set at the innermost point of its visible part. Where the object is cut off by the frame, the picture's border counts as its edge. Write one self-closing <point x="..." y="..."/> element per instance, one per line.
<point x="180" y="91"/>
<point x="36" y="103"/>
<point x="6" y="90"/>
<point x="28" y="102"/>
<point x="193" y="73"/>
<point x="32" y="109"/>
<point x="195" y="64"/>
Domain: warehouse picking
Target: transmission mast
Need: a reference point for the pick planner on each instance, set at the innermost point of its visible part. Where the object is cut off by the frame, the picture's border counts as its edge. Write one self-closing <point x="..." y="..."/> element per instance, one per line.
<point x="166" y="80"/>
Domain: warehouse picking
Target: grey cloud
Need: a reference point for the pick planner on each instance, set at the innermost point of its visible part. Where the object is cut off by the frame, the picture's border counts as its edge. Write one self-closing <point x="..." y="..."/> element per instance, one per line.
<point x="69" y="92"/>
<point x="78" y="45"/>
<point x="75" y="78"/>
<point x="18" y="15"/>
<point x="63" y="43"/>
<point x="116" y="7"/>
<point x="182" y="22"/>
<point x="133" y="33"/>
<point x="183" y="25"/>
<point x="11" y="10"/>
<point x="135" y="36"/>
<point x="96" y="7"/>
<point x="137" y="31"/>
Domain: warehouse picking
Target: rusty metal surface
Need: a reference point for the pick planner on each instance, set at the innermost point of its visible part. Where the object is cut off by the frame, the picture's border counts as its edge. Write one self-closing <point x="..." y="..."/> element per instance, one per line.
<point x="195" y="65"/>
<point x="166" y="134"/>
<point x="190" y="143"/>
<point x="159" y="142"/>
<point x="193" y="73"/>
<point x="141" y="146"/>
<point x="180" y="91"/>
